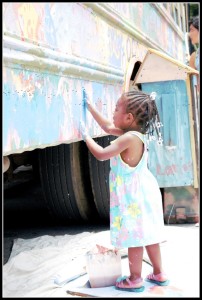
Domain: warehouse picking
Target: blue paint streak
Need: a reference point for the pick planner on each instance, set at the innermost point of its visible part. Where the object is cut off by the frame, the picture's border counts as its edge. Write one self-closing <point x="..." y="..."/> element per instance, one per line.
<point x="84" y="106"/>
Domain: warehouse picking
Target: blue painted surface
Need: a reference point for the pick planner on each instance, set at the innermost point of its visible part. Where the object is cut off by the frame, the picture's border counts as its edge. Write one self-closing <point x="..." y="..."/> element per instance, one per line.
<point x="172" y="163"/>
<point x="48" y="108"/>
<point x="84" y="106"/>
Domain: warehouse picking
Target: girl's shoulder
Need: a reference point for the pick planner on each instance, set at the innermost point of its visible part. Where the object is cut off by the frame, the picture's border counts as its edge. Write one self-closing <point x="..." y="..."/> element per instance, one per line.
<point x="127" y="137"/>
<point x="138" y="134"/>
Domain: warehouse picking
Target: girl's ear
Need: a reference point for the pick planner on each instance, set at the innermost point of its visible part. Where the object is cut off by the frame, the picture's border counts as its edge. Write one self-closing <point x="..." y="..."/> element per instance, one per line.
<point x="130" y="117"/>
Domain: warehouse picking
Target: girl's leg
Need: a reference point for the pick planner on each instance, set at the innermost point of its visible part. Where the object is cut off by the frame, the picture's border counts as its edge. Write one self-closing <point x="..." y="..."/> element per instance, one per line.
<point x="135" y="256"/>
<point x="154" y="254"/>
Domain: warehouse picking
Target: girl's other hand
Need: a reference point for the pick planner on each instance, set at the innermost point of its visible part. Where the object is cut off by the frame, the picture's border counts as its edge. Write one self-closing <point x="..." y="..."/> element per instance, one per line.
<point x="83" y="130"/>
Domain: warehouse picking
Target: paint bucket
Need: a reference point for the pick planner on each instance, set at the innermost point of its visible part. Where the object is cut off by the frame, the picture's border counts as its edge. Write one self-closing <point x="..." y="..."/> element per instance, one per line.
<point x="103" y="266"/>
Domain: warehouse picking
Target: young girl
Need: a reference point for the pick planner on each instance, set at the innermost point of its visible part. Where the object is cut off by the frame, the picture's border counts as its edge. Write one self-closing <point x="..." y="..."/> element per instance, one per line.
<point x="136" y="215"/>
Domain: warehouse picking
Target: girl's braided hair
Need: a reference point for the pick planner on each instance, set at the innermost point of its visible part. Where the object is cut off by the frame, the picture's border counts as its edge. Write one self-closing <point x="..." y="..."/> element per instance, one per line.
<point x="143" y="108"/>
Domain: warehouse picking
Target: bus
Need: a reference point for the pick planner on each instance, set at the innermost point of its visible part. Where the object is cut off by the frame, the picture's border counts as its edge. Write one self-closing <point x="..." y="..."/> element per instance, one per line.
<point x="54" y="54"/>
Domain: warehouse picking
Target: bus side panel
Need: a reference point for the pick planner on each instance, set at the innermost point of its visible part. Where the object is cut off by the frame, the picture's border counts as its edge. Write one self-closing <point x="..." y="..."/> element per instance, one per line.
<point x="45" y="110"/>
<point x="153" y="24"/>
<point x="52" y="52"/>
<point x="70" y="28"/>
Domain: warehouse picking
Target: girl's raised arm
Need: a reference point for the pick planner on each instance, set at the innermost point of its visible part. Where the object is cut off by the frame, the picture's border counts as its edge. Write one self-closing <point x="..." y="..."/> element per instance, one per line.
<point x="104" y="123"/>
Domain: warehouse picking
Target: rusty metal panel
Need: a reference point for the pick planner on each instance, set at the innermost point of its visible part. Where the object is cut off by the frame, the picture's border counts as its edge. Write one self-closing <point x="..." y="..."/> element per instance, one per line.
<point x="172" y="163"/>
<point x="181" y="205"/>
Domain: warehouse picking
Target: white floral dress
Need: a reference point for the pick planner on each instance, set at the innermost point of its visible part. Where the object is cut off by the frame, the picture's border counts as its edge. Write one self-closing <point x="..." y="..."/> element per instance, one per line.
<point x="136" y="213"/>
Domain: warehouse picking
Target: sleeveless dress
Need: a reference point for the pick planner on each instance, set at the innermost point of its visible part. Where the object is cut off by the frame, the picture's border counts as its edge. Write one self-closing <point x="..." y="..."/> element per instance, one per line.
<point x="136" y="212"/>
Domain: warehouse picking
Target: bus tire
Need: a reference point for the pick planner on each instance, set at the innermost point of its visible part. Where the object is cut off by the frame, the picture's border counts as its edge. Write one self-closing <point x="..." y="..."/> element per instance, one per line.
<point x="61" y="175"/>
<point x="99" y="175"/>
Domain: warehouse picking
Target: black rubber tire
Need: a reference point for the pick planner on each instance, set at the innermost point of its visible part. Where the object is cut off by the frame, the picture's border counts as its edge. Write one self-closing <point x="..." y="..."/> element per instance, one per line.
<point x="81" y="181"/>
<point x="59" y="167"/>
<point x="99" y="175"/>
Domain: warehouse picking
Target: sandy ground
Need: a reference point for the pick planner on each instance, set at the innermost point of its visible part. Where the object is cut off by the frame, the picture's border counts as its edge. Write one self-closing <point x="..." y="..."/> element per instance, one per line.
<point x="25" y="218"/>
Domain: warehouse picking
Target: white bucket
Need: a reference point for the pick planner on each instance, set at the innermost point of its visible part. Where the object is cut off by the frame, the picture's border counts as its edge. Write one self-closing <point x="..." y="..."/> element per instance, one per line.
<point x="103" y="268"/>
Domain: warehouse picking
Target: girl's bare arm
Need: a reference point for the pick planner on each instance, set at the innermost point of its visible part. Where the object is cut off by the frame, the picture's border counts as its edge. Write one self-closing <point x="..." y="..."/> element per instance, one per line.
<point x="119" y="145"/>
<point x="104" y="123"/>
<point x="192" y="60"/>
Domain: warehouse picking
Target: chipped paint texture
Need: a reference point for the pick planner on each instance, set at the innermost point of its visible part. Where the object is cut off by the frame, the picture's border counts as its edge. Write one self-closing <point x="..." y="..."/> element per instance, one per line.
<point x="67" y="28"/>
<point x="73" y="29"/>
<point x="148" y="20"/>
<point x="52" y="52"/>
<point x="44" y="110"/>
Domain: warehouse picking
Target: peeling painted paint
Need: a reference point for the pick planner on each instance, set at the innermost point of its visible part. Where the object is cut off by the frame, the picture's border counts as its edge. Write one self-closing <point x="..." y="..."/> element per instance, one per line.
<point x="45" y="109"/>
<point x="157" y="30"/>
<point x="52" y="52"/>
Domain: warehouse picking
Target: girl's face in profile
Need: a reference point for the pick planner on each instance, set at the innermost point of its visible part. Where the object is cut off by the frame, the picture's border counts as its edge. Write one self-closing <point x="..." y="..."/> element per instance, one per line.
<point x="194" y="34"/>
<point x="120" y="113"/>
<point x="121" y="118"/>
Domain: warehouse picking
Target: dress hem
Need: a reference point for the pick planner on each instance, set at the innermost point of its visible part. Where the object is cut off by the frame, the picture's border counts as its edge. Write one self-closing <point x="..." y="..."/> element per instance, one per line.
<point x="134" y="246"/>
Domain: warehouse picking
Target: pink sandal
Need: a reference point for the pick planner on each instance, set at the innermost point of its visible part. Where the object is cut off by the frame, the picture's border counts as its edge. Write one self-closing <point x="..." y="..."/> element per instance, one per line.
<point x="133" y="286"/>
<point x="157" y="279"/>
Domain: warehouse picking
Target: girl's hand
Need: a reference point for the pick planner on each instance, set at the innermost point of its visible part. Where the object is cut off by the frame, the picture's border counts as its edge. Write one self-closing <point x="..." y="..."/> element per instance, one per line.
<point x="87" y="102"/>
<point x="83" y="130"/>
